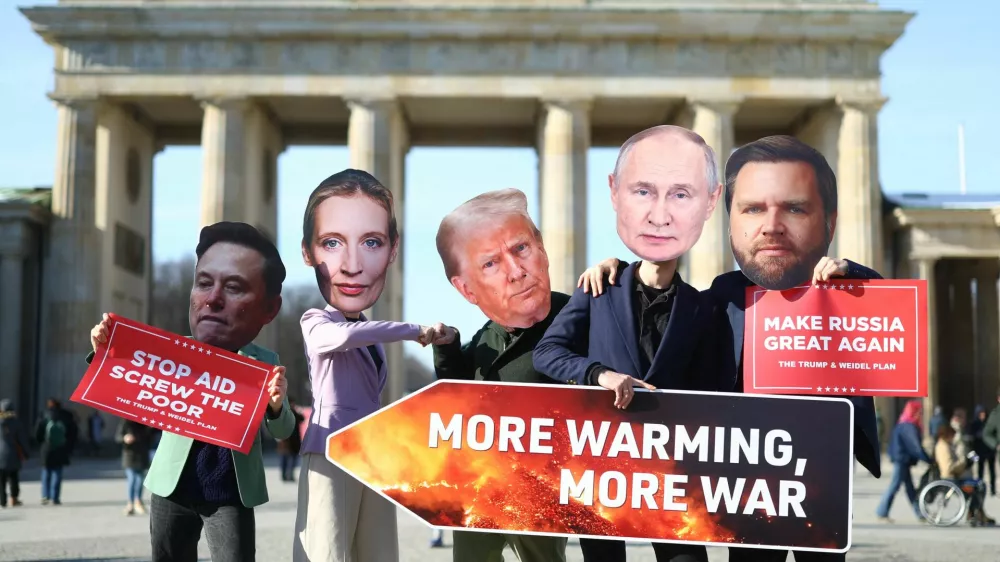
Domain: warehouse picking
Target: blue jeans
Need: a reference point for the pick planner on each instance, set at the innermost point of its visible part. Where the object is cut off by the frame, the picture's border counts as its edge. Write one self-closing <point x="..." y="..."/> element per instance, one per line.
<point x="288" y="463"/>
<point x="900" y="477"/>
<point x="51" y="483"/>
<point x="134" y="478"/>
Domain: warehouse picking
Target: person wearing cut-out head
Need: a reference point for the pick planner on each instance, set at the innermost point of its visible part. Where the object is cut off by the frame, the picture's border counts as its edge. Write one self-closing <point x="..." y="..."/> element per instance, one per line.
<point x="494" y="257"/>
<point x="651" y="329"/>
<point x="349" y="238"/>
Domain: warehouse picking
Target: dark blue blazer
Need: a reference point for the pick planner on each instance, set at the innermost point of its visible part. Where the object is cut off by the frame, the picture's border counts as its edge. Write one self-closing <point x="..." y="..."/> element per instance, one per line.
<point x="602" y="329"/>
<point x="728" y="291"/>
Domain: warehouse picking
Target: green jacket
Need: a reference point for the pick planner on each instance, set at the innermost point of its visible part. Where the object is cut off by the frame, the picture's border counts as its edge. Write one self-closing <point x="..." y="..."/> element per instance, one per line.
<point x="172" y="452"/>
<point x="991" y="431"/>
<point x="494" y="354"/>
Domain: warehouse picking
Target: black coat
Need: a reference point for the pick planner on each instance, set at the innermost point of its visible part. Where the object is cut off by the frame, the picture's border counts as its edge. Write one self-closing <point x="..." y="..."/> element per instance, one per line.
<point x="602" y="329"/>
<point x="13" y="440"/>
<point x="136" y="454"/>
<point x="56" y="457"/>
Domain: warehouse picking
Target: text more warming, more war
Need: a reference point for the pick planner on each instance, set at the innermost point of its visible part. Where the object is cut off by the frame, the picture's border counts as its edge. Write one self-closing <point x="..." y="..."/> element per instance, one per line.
<point x="703" y="443"/>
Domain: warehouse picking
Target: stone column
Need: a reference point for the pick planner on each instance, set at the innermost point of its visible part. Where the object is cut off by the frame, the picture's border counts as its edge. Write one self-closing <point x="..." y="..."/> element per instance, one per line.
<point x="123" y="211"/>
<point x="378" y="141"/>
<point x="987" y="332"/>
<point x="821" y="130"/>
<point x="12" y="256"/>
<point x="73" y="273"/>
<point x="712" y="255"/>
<point x="563" y="142"/>
<point x="859" y="199"/>
<point x="262" y="144"/>
<point x="224" y="162"/>
<point x="925" y="271"/>
<point x="959" y="361"/>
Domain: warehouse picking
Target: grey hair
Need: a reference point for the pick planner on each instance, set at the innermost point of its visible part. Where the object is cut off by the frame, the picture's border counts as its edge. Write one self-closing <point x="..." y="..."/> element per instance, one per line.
<point x="469" y="217"/>
<point x="711" y="166"/>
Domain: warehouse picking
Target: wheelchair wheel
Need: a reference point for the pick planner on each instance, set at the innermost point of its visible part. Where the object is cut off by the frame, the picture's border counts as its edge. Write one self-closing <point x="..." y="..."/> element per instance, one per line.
<point x="942" y="503"/>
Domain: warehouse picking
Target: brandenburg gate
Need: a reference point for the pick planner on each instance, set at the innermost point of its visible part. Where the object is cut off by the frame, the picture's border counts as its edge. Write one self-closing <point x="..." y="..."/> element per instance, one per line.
<point x="246" y="79"/>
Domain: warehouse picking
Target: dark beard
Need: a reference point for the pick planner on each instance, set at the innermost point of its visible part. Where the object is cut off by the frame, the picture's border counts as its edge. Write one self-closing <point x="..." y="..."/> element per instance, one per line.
<point x="781" y="278"/>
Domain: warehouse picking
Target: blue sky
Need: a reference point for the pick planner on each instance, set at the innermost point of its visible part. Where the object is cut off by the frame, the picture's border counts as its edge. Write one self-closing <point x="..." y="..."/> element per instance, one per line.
<point x="944" y="71"/>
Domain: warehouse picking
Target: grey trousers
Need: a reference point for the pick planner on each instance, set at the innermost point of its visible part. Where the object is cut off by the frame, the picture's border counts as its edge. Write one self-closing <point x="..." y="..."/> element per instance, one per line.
<point x="339" y="519"/>
<point x="175" y="529"/>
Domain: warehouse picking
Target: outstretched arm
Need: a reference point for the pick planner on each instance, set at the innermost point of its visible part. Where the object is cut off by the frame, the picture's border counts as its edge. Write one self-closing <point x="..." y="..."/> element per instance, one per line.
<point x="324" y="335"/>
<point x="452" y="360"/>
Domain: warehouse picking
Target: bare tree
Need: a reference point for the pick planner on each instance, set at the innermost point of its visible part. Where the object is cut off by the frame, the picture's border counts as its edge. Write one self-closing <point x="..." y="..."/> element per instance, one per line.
<point x="172" y="295"/>
<point x="295" y="300"/>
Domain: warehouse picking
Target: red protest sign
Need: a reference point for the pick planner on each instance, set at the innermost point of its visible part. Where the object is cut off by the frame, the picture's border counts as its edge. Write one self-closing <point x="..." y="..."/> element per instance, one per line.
<point x="176" y="384"/>
<point x="865" y="338"/>
<point x="560" y="460"/>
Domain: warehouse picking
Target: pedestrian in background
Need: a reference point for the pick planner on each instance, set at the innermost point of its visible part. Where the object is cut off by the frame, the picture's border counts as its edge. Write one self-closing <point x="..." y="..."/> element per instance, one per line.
<point x="13" y="451"/>
<point x="905" y="451"/>
<point x="135" y="440"/>
<point x="56" y="433"/>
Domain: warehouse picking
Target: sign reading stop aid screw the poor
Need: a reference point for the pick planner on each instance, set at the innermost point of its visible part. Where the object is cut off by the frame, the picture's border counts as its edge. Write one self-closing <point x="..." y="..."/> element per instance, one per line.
<point x="686" y="467"/>
<point x="849" y="337"/>
<point x="176" y="384"/>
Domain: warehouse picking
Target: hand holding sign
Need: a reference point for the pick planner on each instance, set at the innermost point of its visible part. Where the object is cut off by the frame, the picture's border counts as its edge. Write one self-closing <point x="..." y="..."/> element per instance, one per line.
<point x="827" y="268"/>
<point x="99" y="334"/>
<point x="178" y="384"/>
<point x="277" y="389"/>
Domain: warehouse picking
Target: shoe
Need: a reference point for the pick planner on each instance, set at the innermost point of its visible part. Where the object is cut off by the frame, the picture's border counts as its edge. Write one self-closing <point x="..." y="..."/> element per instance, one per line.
<point x="14" y="502"/>
<point x="139" y="508"/>
<point x="56" y="502"/>
<point x="882" y="519"/>
<point x="129" y="510"/>
<point x="437" y="543"/>
<point x="45" y="501"/>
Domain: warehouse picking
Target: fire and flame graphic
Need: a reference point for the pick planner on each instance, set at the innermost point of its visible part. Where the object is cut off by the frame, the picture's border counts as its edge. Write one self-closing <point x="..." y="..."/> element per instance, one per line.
<point x="518" y="491"/>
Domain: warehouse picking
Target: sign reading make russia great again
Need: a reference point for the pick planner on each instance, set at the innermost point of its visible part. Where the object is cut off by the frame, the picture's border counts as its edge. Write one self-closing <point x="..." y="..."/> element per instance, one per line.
<point x="176" y="384"/>
<point x="845" y="337"/>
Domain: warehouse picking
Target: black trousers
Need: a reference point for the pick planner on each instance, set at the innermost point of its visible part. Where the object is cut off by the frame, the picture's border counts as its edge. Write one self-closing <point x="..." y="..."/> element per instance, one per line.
<point x="175" y="527"/>
<point x="11" y="478"/>
<point x="604" y="550"/>
<point x="762" y="555"/>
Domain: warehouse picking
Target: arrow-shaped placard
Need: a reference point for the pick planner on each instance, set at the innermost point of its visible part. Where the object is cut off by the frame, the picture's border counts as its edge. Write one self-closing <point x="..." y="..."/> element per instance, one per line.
<point x="708" y="468"/>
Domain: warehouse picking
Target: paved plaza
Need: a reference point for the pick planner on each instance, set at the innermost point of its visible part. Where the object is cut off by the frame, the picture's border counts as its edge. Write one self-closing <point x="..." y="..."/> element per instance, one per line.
<point x="90" y="525"/>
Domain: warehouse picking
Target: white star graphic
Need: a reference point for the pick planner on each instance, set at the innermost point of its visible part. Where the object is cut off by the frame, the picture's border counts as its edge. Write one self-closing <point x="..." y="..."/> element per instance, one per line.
<point x="169" y="428"/>
<point x="852" y="389"/>
<point x="201" y="350"/>
<point x="185" y="345"/>
<point x="144" y="419"/>
<point x="841" y="286"/>
<point x="177" y="342"/>
<point x="208" y="351"/>
<point x="819" y="389"/>
<point x="828" y="389"/>
<point x="161" y="424"/>
<point x="850" y="286"/>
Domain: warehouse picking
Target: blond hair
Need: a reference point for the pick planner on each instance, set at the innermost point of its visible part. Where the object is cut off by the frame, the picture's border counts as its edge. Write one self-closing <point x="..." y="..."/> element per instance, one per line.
<point x="461" y="224"/>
